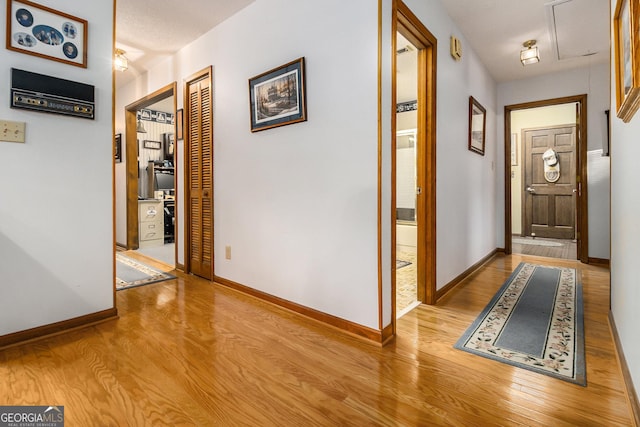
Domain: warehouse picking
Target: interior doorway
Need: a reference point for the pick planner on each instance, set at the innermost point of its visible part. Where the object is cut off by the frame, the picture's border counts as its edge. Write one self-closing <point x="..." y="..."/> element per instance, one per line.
<point x="151" y="194"/>
<point x="413" y="160"/>
<point x="545" y="211"/>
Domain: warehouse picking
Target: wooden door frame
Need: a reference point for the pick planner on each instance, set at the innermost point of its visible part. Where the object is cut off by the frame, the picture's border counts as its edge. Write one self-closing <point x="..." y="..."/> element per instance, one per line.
<point x="582" y="212"/>
<point x="204" y="73"/>
<point x="131" y="150"/>
<point x="407" y="24"/>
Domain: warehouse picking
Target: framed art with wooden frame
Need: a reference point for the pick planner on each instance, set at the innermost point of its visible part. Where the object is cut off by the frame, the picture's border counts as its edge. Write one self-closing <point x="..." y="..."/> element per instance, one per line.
<point x="41" y="31"/>
<point x="180" y="124"/>
<point x="278" y="96"/>
<point x="627" y="58"/>
<point x="477" y="124"/>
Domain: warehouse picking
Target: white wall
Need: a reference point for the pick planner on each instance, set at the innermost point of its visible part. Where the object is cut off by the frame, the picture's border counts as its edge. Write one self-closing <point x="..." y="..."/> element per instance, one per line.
<point x="593" y="81"/>
<point x="298" y="204"/>
<point x="625" y="232"/>
<point x="56" y="234"/>
<point x="466" y="182"/>
<point x="526" y="119"/>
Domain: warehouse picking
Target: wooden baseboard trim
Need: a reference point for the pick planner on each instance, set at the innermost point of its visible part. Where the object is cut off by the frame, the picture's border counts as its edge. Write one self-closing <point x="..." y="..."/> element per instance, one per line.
<point x="601" y="262"/>
<point x="634" y="403"/>
<point x="387" y="334"/>
<point x="180" y="267"/>
<point x="455" y="282"/>
<point x="343" y="325"/>
<point x="41" y="332"/>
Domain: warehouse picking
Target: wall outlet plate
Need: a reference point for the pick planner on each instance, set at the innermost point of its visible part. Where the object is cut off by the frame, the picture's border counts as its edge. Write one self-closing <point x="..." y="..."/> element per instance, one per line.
<point x="11" y="131"/>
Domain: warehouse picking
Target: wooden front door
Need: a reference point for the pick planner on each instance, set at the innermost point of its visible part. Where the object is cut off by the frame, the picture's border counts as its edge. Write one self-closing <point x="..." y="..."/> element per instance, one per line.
<point x="199" y="174"/>
<point x="550" y="201"/>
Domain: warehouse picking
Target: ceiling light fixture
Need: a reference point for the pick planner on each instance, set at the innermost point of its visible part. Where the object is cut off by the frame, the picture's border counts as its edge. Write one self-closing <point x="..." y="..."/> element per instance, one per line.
<point x="140" y="128"/>
<point x="530" y="55"/>
<point x="120" y="62"/>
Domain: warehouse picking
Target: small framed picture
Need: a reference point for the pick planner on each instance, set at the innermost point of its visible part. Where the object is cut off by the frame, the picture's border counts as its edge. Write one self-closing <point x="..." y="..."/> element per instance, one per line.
<point x="154" y="145"/>
<point x="278" y="96"/>
<point x="627" y="58"/>
<point x="118" y="147"/>
<point x="179" y="124"/>
<point x="41" y="31"/>
<point x="477" y="124"/>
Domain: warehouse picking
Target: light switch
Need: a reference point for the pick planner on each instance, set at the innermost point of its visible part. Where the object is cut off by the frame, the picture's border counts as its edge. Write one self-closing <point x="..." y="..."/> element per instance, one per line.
<point x="11" y="131"/>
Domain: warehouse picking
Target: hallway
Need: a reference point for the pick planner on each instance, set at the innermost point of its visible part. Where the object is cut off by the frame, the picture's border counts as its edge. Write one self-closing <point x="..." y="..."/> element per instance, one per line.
<point x="188" y="352"/>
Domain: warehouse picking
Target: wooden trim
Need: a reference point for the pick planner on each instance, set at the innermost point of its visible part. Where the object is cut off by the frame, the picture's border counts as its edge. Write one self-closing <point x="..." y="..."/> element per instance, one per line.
<point x="113" y="153"/>
<point x="343" y="325"/>
<point x="131" y="147"/>
<point x="602" y="262"/>
<point x="634" y="402"/>
<point x="582" y="224"/>
<point x="41" y="332"/>
<point x="179" y="266"/>
<point x="455" y="282"/>
<point x="388" y="334"/>
<point x="413" y="30"/>
<point x="380" y="195"/>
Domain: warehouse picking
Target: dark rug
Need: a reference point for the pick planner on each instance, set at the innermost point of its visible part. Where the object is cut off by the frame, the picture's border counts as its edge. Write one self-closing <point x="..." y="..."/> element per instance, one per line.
<point x="400" y="263"/>
<point x="535" y="322"/>
<point x="131" y="273"/>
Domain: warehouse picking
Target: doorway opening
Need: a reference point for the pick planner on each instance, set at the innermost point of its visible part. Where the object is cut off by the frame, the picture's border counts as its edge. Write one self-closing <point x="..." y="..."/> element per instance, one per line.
<point x="151" y="194"/>
<point x="545" y="210"/>
<point x="413" y="167"/>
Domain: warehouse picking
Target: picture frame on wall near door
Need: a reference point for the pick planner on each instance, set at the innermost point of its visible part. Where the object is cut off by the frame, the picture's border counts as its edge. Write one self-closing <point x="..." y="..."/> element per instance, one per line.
<point x="41" y="31"/>
<point x="477" y="124"/>
<point x="627" y="58"/>
<point x="278" y="96"/>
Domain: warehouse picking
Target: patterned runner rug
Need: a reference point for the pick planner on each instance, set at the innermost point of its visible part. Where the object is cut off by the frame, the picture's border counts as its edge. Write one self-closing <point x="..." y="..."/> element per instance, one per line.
<point x="535" y="322"/>
<point x="131" y="273"/>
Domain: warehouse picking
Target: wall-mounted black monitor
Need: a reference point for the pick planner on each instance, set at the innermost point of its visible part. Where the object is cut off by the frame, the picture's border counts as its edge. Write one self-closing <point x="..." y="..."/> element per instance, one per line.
<point x="164" y="181"/>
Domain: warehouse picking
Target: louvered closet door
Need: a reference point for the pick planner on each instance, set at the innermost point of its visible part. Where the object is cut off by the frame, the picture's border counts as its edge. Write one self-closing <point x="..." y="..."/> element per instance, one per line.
<point x="200" y="184"/>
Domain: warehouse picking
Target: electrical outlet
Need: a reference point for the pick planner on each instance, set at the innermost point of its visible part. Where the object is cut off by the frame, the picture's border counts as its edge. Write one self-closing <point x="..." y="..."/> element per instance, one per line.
<point x="227" y="252"/>
<point x="11" y="131"/>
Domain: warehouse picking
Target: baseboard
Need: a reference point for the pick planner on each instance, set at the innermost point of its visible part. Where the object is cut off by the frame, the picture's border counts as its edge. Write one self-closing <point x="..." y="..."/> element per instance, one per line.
<point x="634" y="403"/>
<point x="379" y="337"/>
<point x="387" y="334"/>
<point x="41" y="332"/>
<point x="180" y="267"/>
<point x="601" y="262"/>
<point x="455" y="282"/>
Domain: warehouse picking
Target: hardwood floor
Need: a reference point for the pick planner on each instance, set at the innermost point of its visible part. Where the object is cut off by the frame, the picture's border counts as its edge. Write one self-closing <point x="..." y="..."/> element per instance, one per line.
<point x="187" y="352"/>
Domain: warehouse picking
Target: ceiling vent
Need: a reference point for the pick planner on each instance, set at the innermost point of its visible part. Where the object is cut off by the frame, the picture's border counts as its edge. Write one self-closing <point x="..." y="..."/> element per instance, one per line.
<point x="569" y="37"/>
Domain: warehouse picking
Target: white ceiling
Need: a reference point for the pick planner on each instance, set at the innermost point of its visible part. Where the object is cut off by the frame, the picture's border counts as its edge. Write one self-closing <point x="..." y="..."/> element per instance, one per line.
<point x="150" y="30"/>
<point x="496" y="29"/>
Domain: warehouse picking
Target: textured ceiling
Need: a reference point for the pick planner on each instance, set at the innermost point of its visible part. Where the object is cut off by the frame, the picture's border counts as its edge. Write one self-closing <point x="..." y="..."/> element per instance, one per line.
<point x="496" y="29"/>
<point x="150" y="30"/>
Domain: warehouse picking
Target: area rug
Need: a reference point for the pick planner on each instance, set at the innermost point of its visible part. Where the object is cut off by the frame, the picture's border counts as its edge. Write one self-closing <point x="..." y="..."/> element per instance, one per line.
<point x="535" y="321"/>
<point x="131" y="273"/>
<point x="400" y="263"/>
<point x="535" y="242"/>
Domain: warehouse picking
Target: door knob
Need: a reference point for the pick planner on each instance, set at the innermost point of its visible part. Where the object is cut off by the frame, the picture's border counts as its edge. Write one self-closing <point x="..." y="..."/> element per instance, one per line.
<point x="531" y="190"/>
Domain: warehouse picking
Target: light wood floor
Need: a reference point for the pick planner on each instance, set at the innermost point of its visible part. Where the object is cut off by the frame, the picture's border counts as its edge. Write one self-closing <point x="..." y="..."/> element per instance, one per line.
<point x="186" y="352"/>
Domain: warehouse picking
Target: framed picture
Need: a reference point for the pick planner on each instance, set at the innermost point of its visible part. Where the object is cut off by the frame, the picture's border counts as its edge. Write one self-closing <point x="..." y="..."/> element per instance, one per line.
<point x="41" y="31"/>
<point x="514" y="149"/>
<point x="118" y="147"/>
<point x="154" y="145"/>
<point x="179" y="124"/>
<point x="627" y="60"/>
<point x="477" y="124"/>
<point x="277" y="97"/>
